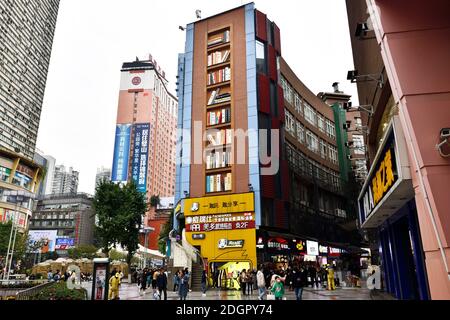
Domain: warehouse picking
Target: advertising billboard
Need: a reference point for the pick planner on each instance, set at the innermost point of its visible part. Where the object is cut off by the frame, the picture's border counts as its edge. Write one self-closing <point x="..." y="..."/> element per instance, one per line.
<point x="18" y="218"/>
<point x="313" y="248"/>
<point x="47" y="239"/>
<point x="121" y="153"/>
<point x="139" y="167"/>
<point x="64" y="244"/>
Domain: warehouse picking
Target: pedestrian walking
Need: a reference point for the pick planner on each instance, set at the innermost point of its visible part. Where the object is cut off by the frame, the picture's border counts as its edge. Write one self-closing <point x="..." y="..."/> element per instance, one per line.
<point x="184" y="285"/>
<point x="176" y="281"/>
<point x="261" y="283"/>
<point x="243" y="281"/>
<point x="114" y="282"/>
<point x="250" y="279"/>
<point x="299" y="281"/>
<point x="204" y="283"/>
<point x="50" y="275"/>
<point x="161" y="282"/>
<point x="143" y="281"/>
<point x="278" y="289"/>
<point x="154" y="277"/>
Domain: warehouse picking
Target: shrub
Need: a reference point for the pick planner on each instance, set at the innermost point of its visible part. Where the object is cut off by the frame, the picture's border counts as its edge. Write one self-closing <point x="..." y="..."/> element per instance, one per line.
<point x="59" y="291"/>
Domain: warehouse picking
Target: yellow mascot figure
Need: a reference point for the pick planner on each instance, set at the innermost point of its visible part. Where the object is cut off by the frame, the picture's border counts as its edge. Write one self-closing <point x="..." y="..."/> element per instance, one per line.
<point x="114" y="283"/>
<point x="331" y="283"/>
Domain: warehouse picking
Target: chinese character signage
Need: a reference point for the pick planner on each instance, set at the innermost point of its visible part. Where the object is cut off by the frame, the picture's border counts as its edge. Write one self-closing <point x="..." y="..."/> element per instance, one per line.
<point x="220" y="222"/>
<point x="121" y="153"/>
<point x="64" y="244"/>
<point x="139" y="166"/>
<point x="220" y="205"/>
<point x="383" y="177"/>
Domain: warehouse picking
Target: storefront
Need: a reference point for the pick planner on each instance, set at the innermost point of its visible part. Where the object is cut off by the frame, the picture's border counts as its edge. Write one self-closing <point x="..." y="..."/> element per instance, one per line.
<point x="387" y="204"/>
<point x="223" y="229"/>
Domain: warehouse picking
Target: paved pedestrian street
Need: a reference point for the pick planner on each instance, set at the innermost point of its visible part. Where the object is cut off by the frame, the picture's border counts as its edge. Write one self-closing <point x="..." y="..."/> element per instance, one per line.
<point x="131" y="292"/>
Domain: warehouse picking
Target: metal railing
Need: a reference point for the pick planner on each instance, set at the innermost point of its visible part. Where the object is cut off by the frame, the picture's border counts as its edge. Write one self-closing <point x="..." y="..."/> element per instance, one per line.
<point x="28" y="293"/>
<point x="21" y="289"/>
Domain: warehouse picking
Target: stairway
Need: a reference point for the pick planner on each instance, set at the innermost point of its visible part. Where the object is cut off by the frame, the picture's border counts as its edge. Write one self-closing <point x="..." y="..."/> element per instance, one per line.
<point x="196" y="276"/>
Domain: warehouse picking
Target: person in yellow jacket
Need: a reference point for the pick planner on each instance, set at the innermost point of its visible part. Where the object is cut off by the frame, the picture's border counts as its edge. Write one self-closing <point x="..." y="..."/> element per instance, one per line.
<point x="331" y="284"/>
<point x="114" y="284"/>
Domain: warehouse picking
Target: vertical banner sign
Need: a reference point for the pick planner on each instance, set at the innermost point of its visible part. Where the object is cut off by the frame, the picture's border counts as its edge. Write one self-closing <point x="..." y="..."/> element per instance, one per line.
<point x="121" y="153"/>
<point x="140" y="155"/>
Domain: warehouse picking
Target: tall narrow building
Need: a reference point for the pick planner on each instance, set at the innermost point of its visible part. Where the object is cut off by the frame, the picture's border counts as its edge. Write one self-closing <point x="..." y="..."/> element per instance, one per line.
<point x="258" y="175"/>
<point x="26" y="37"/>
<point x="146" y="130"/>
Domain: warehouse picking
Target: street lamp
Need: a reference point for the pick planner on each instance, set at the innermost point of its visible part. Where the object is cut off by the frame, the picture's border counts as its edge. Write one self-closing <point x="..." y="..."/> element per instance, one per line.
<point x="17" y="196"/>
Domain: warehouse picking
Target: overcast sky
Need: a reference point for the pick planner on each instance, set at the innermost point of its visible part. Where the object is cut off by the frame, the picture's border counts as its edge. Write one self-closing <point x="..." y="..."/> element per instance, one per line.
<point x="94" y="37"/>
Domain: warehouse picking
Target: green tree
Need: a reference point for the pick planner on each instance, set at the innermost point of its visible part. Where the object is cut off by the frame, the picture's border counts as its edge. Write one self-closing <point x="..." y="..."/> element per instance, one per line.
<point x="164" y="234"/>
<point x="21" y="244"/>
<point x="107" y="206"/>
<point x="83" y="251"/>
<point x="134" y="208"/>
<point x="119" y="210"/>
<point x="155" y="201"/>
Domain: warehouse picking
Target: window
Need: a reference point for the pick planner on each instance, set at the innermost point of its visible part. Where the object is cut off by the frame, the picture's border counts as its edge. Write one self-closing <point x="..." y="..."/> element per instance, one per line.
<point x="321" y="123"/>
<point x="300" y="132"/>
<point x="298" y="103"/>
<point x="358" y="123"/>
<point x="261" y="58"/>
<point x="287" y="90"/>
<point x="358" y="144"/>
<point x="310" y="113"/>
<point x="330" y="129"/>
<point x="312" y="141"/>
<point x="290" y="124"/>
<point x="323" y="149"/>
<point x="333" y="153"/>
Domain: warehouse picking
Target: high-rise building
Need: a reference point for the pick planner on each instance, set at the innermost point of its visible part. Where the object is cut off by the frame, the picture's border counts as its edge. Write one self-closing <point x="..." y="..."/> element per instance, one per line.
<point x="273" y="195"/>
<point x="65" y="180"/>
<point x="103" y="174"/>
<point x="146" y="130"/>
<point x="48" y="163"/>
<point x="70" y="216"/>
<point x="403" y="75"/>
<point x="26" y="38"/>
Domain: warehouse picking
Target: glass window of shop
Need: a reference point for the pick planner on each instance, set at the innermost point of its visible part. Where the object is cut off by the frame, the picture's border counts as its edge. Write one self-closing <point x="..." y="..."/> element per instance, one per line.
<point x="22" y="180"/>
<point x="5" y="173"/>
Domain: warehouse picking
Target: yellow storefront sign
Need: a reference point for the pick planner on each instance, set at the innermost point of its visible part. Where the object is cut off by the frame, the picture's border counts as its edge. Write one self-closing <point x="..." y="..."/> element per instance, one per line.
<point x="234" y="203"/>
<point x="383" y="179"/>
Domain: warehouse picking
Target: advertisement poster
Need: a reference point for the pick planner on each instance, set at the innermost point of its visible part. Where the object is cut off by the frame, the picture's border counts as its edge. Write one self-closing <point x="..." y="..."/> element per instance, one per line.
<point x="313" y="248"/>
<point x="140" y="155"/>
<point x="64" y="244"/>
<point x="100" y="283"/>
<point x="20" y="219"/>
<point x="121" y="154"/>
<point x="47" y="239"/>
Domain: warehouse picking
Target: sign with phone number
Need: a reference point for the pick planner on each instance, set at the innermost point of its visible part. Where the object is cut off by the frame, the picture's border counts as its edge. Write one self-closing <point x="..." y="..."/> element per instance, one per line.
<point x="207" y="227"/>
